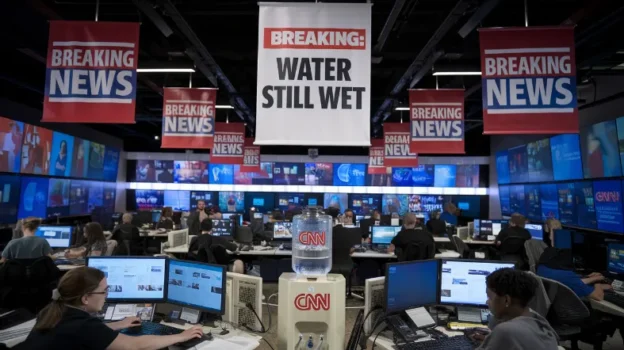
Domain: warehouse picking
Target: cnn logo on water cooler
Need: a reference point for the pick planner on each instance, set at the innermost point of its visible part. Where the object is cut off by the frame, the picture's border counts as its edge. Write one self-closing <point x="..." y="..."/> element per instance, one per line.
<point x="316" y="302"/>
<point x="312" y="238"/>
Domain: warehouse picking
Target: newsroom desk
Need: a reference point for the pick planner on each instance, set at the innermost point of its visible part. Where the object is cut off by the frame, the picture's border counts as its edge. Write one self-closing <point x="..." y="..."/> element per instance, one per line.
<point x="384" y="343"/>
<point x="607" y="307"/>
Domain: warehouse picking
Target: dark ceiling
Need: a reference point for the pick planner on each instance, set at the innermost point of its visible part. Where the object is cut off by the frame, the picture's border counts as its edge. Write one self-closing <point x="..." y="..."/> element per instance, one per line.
<point x="419" y="36"/>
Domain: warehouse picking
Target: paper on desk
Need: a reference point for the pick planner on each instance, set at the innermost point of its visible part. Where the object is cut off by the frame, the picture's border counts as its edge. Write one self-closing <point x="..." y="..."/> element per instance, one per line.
<point x="232" y="343"/>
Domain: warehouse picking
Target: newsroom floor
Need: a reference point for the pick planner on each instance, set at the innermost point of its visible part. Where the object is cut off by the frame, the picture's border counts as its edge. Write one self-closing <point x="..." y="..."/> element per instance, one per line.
<point x="614" y="343"/>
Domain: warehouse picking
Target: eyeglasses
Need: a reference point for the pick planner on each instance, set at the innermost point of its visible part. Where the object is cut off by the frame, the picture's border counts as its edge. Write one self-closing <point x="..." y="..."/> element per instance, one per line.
<point x="102" y="293"/>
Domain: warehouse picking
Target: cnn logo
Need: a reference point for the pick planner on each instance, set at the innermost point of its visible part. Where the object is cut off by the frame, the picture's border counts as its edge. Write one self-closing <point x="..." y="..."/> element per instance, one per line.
<point x="312" y="238"/>
<point x="316" y="302"/>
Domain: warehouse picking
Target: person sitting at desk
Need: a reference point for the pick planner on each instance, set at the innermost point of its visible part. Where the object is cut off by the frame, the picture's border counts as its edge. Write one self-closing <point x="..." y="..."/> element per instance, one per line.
<point x="95" y="246"/>
<point x="66" y="322"/>
<point x="29" y="246"/>
<point x="195" y="219"/>
<point x="127" y="232"/>
<point x="166" y="220"/>
<point x="435" y="225"/>
<point x="348" y="217"/>
<point x="409" y="235"/>
<point x="508" y="294"/>
<point x="550" y="226"/>
<point x="515" y="229"/>
<point x="365" y="224"/>
<point x="207" y="241"/>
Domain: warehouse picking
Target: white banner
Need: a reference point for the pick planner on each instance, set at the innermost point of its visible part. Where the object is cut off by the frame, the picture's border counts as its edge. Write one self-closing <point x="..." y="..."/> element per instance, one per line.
<point x="314" y="64"/>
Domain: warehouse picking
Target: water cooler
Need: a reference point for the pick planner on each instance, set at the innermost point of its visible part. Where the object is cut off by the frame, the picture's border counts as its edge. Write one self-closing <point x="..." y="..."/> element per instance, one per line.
<point x="311" y="313"/>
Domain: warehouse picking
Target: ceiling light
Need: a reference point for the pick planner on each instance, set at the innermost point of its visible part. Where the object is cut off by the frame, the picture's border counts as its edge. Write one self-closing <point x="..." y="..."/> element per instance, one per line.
<point x="156" y="137"/>
<point x="165" y="70"/>
<point x="455" y="73"/>
<point x="402" y="109"/>
<point x="224" y="107"/>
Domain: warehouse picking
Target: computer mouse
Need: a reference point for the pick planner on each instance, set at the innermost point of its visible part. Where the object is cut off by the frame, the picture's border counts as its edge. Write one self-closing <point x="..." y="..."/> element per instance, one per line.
<point x="281" y="247"/>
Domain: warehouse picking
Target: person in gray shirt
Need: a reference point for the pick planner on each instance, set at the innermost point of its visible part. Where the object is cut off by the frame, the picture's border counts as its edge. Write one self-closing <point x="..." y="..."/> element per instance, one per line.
<point x="509" y="292"/>
<point x="29" y="246"/>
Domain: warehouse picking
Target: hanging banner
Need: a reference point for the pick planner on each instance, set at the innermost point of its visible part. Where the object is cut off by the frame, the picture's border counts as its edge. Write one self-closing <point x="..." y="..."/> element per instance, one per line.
<point x="188" y="118"/>
<point x="376" y="157"/>
<point x="229" y="144"/>
<point x="251" y="157"/>
<point x="397" y="146"/>
<point x="314" y="65"/>
<point x="91" y="72"/>
<point x="529" y="80"/>
<point x="437" y="121"/>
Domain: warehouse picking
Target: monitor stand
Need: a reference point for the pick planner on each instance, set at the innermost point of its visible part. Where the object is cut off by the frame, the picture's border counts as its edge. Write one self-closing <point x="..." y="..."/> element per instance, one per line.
<point x="469" y="314"/>
<point x="195" y="316"/>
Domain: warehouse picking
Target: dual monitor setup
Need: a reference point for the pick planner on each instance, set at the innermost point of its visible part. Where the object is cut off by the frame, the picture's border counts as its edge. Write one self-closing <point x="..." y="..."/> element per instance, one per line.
<point x="193" y="285"/>
<point x="566" y="239"/>
<point x="489" y="229"/>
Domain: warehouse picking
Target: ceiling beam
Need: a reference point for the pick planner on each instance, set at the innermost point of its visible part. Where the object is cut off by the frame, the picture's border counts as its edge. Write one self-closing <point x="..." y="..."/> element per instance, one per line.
<point x="476" y="18"/>
<point x="387" y="28"/>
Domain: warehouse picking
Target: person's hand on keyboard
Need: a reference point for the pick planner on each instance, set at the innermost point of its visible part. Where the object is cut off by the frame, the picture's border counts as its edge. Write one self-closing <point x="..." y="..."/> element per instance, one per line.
<point x="130" y="322"/>
<point x="191" y="333"/>
<point x="477" y="335"/>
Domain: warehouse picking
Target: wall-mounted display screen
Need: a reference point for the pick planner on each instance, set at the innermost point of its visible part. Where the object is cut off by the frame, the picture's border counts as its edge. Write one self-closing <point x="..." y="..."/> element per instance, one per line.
<point x="549" y="201"/>
<point x="36" y="148"/>
<point x="502" y="167"/>
<point x="539" y="161"/>
<point x="518" y="164"/>
<point x="567" y="204"/>
<point x="319" y="174"/>
<point x="289" y="174"/>
<point x="263" y="177"/>
<point x="9" y="198"/>
<point x="61" y="156"/>
<point x="79" y="197"/>
<point x="111" y="164"/>
<point x="503" y="193"/>
<point x="394" y="203"/>
<point x="80" y="158"/>
<point x="96" y="161"/>
<point x="177" y="200"/>
<point x="336" y="200"/>
<point x="516" y="199"/>
<point x="290" y="201"/>
<point x="58" y="197"/>
<point x="533" y="202"/>
<point x="232" y="202"/>
<point x="467" y="175"/>
<point x="445" y="175"/>
<point x="600" y="150"/>
<point x="566" y="157"/>
<point x="364" y="204"/>
<point x="149" y="199"/>
<point x="349" y="174"/>
<point x="584" y="198"/>
<point x="608" y="203"/>
<point x="190" y="172"/>
<point x="33" y="197"/>
<point x="262" y="201"/>
<point x="11" y="134"/>
<point x="210" y="199"/>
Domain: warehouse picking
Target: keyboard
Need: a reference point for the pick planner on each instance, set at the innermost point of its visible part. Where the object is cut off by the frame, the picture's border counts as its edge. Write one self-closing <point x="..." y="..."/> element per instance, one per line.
<point x="69" y="261"/>
<point x="614" y="298"/>
<point x="452" y="343"/>
<point x="151" y="328"/>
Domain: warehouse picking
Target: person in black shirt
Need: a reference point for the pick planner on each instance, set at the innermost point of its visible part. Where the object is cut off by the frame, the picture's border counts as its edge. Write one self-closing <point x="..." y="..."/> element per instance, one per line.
<point x="435" y="225"/>
<point x="207" y="240"/>
<point x="410" y="234"/>
<point x="66" y="322"/>
<point x="515" y="229"/>
<point x="365" y="224"/>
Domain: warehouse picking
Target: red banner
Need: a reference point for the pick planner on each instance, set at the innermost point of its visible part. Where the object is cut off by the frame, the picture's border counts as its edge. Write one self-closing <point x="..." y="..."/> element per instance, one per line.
<point x="188" y="118"/>
<point x="251" y="158"/>
<point x="376" y="157"/>
<point x="229" y="144"/>
<point x="437" y="121"/>
<point x="91" y="72"/>
<point x="397" y="146"/>
<point x="529" y="80"/>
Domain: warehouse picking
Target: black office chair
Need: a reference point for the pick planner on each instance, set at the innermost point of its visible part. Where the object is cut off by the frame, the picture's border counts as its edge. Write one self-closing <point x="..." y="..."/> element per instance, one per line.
<point x="27" y="283"/>
<point x="461" y="247"/>
<point x="343" y="240"/>
<point x="129" y="242"/>
<point x="512" y="249"/>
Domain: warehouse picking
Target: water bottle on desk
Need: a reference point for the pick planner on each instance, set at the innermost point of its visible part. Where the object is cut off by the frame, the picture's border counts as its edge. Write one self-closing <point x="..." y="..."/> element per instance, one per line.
<point x="312" y="243"/>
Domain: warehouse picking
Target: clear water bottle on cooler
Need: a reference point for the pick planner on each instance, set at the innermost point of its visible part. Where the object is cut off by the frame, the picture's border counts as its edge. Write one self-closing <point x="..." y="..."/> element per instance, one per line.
<point x="312" y="243"/>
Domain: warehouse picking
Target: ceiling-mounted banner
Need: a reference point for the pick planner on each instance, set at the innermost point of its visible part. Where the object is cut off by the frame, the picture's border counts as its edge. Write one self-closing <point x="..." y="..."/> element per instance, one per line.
<point x="314" y="64"/>
<point x="397" y="146"/>
<point x="188" y="118"/>
<point x="229" y="144"/>
<point x="376" y="157"/>
<point x="251" y="158"/>
<point x="437" y="121"/>
<point x="91" y="72"/>
<point x="528" y="80"/>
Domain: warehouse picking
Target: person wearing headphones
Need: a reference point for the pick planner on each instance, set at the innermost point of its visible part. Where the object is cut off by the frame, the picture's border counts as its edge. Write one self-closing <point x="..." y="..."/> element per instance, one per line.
<point x="66" y="323"/>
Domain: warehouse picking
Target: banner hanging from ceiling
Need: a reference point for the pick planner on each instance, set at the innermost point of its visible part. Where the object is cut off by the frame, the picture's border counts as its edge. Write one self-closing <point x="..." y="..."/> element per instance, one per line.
<point x="314" y="64"/>
<point x="397" y="146"/>
<point x="528" y="80"/>
<point x="188" y="118"/>
<point x="251" y="157"/>
<point x="437" y="121"/>
<point x="91" y="72"/>
<point x="376" y="157"/>
<point x="229" y="144"/>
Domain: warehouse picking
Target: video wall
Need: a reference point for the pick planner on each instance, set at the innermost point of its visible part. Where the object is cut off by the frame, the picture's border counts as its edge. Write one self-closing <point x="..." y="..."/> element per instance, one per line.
<point x="573" y="178"/>
<point x="321" y="174"/>
<point x="46" y="197"/>
<point x="30" y="149"/>
<point x="239" y="202"/>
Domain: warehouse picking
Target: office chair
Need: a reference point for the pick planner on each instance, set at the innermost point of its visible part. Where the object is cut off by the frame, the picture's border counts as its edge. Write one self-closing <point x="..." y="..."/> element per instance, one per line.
<point x="129" y="242"/>
<point x="343" y="240"/>
<point x="541" y="302"/>
<point x="568" y="314"/>
<point x="27" y="283"/>
<point x="512" y="249"/>
<point x="461" y="247"/>
<point x="534" y="250"/>
<point x="111" y="245"/>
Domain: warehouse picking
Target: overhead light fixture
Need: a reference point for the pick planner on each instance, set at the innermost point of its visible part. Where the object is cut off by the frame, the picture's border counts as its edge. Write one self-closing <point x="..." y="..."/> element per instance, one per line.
<point x="402" y="109"/>
<point x="224" y="107"/>
<point x="156" y="137"/>
<point x="165" y="70"/>
<point x="436" y="74"/>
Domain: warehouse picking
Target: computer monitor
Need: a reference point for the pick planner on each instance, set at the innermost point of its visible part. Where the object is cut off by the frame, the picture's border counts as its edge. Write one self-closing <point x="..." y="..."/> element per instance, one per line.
<point x="197" y="285"/>
<point x="258" y="216"/>
<point x="57" y="236"/>
<point x="562" y="239"/>
<point x="488" y="227"/>
<point x="144" y="217"/>
<point x="462" y="282"/>
<point x="400" y="292"/>
<point x="222" y="228"/>
<point x="282" y="230"/>
<point x="133" y="279"/>
<point x="536" y="230"/>
<point x="226" y="216"/>
<point x="156" y="215"/>
<point x="423" y="216"/>
<point x="383" y="234"/>
<point x="615" y="258"/>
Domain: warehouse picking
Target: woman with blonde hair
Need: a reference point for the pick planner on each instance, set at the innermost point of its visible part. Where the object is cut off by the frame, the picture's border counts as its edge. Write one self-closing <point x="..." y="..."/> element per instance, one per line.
<point x="551" y="225"/>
